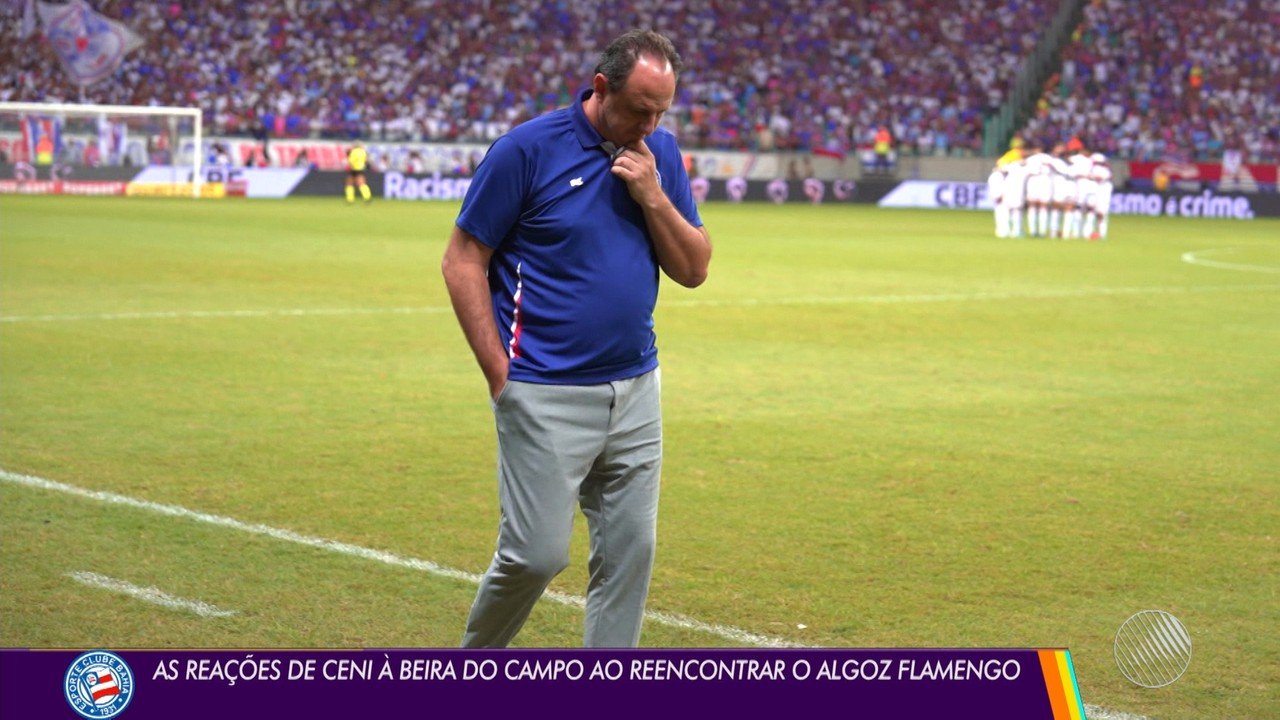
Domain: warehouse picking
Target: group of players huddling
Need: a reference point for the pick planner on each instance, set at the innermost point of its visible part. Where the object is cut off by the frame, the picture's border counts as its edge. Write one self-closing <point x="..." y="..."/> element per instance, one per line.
<point x="1063" y="194"/>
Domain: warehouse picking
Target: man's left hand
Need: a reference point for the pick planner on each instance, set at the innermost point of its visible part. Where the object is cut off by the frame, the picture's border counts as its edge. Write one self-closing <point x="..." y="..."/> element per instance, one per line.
<point x="638" y="168"/>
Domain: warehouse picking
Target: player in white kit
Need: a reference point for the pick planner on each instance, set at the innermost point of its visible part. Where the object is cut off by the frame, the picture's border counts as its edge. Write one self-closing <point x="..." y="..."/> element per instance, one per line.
<point x="1014" y="195"/>
<point x="1101" y="176"/>
<point x="1080" y="167"/>
<point x="1064" y="194"/>
<point x="995" y="189"/>
<point x="1039" y="191"/>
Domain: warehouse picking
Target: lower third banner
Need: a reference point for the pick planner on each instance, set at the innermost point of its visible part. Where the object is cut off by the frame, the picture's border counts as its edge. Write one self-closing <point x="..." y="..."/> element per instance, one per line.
<point x="1028" y="684"/>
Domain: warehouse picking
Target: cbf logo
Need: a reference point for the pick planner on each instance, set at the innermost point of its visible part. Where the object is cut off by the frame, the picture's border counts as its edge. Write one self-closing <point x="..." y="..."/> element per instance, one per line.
<point x="98" y="684"/>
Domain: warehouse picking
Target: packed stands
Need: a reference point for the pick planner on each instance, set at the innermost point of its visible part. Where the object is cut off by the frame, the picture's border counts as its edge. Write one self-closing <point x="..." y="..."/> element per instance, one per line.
<point x="822" y="76"/>
<point x="790" y="74"/>
<point x="1181" y="80"/>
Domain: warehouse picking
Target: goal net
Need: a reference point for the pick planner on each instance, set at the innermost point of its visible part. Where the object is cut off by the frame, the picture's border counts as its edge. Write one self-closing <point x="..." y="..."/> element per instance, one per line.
<point x="59" y="148"/>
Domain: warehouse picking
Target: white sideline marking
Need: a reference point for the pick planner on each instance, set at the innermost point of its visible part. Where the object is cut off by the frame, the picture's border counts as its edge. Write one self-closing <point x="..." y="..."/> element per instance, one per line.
<point x="994" y="295"/>
<point x="196" y="314"/>
<point x="1093" y="712"/>
<point x="812" y="300"/>
<point x="1197" y="258"/>
<point x="678" y="621"/>
<point x="152" y="595"/>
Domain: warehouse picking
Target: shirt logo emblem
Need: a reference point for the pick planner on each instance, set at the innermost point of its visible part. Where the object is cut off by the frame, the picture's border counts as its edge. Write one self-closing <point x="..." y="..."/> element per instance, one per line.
<point x="576" y="182"/>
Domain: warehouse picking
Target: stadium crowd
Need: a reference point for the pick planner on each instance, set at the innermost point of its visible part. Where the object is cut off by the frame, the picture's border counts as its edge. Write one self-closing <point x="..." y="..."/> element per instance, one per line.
<point x="822" y="76"/>
<point x="1183" y="80"/>
<point x="763" y="74"/>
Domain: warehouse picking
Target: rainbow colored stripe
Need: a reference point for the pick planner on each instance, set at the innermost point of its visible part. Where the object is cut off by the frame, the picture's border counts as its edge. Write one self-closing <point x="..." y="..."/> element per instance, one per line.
<point x="1060" y="681"/>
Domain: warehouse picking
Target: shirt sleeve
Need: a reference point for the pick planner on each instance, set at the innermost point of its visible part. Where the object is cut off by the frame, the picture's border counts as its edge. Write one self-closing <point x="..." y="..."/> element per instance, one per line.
<point x="675" y="182"/>
<point x="494" y="200"/>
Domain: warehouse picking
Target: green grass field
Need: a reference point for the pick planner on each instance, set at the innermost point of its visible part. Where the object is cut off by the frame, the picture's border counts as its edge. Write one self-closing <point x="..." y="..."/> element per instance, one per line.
<point x="884" y="429"/>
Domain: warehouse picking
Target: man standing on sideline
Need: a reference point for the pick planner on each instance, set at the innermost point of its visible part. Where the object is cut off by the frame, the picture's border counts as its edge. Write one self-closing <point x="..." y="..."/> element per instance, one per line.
<point x="552" y="269"/>
<point x="357" y="162"/>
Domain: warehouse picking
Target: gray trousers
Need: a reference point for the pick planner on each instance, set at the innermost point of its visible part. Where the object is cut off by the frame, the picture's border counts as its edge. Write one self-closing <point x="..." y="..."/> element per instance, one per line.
<point x="598" y="447"/>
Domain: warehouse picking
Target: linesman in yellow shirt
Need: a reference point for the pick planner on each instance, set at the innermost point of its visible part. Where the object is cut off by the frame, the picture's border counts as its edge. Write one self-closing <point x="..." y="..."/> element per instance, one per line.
<point x="357" y="161"/>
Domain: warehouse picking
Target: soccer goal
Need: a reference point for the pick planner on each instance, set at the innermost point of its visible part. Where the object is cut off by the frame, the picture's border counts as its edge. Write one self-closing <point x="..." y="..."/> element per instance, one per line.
<point x="101" y="149"/>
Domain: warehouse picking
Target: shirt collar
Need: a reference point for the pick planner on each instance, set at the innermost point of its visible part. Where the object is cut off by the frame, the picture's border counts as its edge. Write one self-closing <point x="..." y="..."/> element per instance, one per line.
<point x="587" y="134"/>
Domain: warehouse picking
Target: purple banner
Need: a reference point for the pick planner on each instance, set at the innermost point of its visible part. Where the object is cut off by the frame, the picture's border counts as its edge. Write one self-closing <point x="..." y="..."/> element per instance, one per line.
<point x="193" y="684"/>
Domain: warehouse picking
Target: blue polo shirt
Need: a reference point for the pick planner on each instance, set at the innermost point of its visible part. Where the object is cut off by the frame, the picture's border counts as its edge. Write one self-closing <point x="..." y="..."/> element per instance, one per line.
<point x="573" y="277"/>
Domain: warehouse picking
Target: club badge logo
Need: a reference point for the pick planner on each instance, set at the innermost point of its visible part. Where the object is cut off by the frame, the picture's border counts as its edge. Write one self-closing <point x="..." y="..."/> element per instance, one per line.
<point x="99" y="684"/>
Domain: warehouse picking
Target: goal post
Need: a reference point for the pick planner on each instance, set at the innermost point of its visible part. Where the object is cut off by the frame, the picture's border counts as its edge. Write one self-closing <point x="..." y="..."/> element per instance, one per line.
<point x="67" y="134"/>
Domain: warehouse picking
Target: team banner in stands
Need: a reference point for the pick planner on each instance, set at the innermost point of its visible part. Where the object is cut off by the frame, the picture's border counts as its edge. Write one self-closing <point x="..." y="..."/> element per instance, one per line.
<point x="1229" y="175"/>
<point x="41" y="139"/>
<point x="1031" y="684"/>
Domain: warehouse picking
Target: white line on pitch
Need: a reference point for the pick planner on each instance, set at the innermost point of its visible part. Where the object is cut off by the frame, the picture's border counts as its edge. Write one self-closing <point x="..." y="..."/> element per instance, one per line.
<point x="993" y="295"/>
<point x="810" y="300"/>
<point x="155" y="596"/>
<point x="1197" y="258"/>
<point x="673" y="620"/>
<point x="200" y="314"/>
<point x="1093" y="712"/>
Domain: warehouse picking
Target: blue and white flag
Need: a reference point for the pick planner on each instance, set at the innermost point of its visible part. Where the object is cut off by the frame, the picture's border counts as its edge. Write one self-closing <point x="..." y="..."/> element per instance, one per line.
<point x="89" y="45"/>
